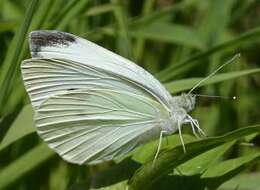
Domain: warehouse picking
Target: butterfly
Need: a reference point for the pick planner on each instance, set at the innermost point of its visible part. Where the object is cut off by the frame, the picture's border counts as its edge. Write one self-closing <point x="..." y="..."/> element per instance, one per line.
<point x="92" y="105"/>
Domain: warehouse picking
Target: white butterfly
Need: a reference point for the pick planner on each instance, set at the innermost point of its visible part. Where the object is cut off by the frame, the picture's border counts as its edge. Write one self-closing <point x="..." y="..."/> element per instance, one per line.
<point x="92" y="105"/>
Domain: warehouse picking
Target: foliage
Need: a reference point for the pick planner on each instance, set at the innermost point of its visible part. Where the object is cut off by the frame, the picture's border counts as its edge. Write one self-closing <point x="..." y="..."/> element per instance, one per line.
<point x="180" y="42"/>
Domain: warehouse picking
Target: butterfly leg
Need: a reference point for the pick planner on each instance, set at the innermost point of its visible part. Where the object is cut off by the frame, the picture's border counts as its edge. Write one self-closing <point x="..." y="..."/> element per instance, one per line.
<point x="188" y="121"/>
<point x="181" y="138"/>
<point x="159" y="146"/>
<point x="196" y="123"/>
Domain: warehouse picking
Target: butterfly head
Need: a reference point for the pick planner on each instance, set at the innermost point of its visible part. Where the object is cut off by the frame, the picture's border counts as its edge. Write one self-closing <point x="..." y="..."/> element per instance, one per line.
<point x="185" y="101"/>
<point x="188" y="101"/>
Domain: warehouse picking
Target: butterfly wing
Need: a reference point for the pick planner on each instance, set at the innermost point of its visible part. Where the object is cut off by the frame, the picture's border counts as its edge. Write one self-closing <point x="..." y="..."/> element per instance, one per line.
<point x="90" y="104"/>
<point x="90" y="115"/>
<point x="61" y="45"/>
<point x="96" y="125"/>
<point x="45" y="78"/>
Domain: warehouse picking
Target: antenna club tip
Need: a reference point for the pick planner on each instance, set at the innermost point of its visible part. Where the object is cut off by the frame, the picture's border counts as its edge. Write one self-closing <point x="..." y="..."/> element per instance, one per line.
<point x="234" y="97"/>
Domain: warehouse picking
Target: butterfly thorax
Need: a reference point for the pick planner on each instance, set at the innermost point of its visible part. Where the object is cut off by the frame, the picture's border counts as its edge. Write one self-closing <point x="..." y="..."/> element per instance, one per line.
<point x="180" y="107"/>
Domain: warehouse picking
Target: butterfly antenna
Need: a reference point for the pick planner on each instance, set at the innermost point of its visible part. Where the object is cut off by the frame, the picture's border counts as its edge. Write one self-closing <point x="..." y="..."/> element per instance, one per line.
<point x="214" y="72"/>
<point x="213" y="96"/>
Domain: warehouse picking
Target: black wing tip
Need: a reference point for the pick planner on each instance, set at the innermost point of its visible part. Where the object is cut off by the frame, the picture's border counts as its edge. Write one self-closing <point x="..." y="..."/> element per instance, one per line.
<point x="49" y="38"/>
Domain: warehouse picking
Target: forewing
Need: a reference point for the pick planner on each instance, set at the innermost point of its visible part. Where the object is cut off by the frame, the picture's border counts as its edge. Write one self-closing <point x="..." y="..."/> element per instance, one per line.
<point x="90" y="126"/>
<point x="45" y="78"/>
<point x="60" y="45"/>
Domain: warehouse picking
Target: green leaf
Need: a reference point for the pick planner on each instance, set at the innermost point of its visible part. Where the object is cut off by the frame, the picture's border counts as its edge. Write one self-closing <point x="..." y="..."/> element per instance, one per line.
<point x="119" y="186"/>
<point x="7" y="26"/>
<point x="147" y="152"/>
<point x="123" y="40"/>
<point x="139" y="46"/>
<point x="169" y="72"/>
<point x="163" y="12"/>
<point x="215" y="21"/>
<point x="249" y="181"/>
<point x="14" y="56"/>
<point x="118" y="172"/>
<point x="59" y="176"/>
<point x="101" y="9"/>
<point x="13" y="96"/>
<point x="69" y="12"/>
<point x="22" y="126"/>
<point x="186" y="84"/>
<point x="172" y="158"/>
<point x="164" y="32"/>
<point x="170" y="33"/>
<point x="217" y="174"/>
<point x="178" y="182"/>
<point x="39" y="18"/>
<point x="24" y="164"/>
<point x="201" y="162"/>
<point x="229" y="165"/>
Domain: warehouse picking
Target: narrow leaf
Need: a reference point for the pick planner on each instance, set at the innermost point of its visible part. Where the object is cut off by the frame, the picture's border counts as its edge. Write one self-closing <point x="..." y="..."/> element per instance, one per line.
<point x="13" y="56"/>
<point x="168" y="73"/>
<point x="217" y="174"/>
<point x="24" y="164"/>
<point x="201" y="162"/>
<point x="170" y="33"/>
<point x="185" y="84"/>
<point x="248" y="181"/>
<point x="22" y="126"/>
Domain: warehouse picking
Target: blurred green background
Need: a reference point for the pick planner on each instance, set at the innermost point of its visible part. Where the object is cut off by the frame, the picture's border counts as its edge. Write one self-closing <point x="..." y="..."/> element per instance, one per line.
<point x="179" y="42"/>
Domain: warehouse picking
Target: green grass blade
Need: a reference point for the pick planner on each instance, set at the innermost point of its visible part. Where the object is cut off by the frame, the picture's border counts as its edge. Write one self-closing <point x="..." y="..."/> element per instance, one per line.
<point x="16" y="90"/>
<point x="123" y="40"/>
<point x="202" y="162"/>
<point x="156" y="15"/>
<point x="61" y="12"/>
<point x="186" y="84"/>
<point x="22" y="126"/>
<point x="14" y="56"/>
<point x="118" y="186"/>
<point x="7" y="25"/>
<point x="248" y="181"/>
<point x="217" y="174"/>
<point x="24" y="164"/>
<point x="164" y="32"/>
<point x="100" y="9"/>
<point x="215" y="21"/>
<point x="140" y="41"/>
<point x="75" y="8"/>
<point x="169" y="72"/>
<point x="170" y="33"/>
<point x="40" y="16"/>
